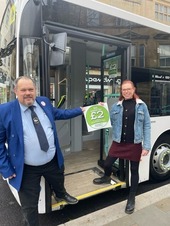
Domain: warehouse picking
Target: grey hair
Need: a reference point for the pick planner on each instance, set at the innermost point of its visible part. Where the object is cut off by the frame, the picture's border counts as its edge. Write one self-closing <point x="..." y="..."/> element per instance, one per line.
<point x="25" y="78"/>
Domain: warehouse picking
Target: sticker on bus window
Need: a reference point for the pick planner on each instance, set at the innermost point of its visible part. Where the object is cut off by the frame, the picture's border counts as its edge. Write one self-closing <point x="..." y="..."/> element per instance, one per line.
<point x="97" y="117"/>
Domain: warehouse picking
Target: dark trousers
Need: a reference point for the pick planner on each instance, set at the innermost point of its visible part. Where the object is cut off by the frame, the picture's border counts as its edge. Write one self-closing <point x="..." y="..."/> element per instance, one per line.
<point x="30" y="188"/>
<point x="134" y="168"/>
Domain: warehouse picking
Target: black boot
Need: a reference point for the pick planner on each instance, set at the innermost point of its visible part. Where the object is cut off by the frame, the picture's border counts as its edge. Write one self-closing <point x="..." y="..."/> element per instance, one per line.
<point x="102" y="180"/>
<point x="130" y="206"/>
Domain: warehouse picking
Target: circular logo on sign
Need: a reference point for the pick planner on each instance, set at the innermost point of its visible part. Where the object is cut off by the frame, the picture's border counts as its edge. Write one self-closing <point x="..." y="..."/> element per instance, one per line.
<point x="97" y="116"/>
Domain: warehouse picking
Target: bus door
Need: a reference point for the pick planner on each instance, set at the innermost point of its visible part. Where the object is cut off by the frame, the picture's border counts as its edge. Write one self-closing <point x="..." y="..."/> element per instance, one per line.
<point x="79" y="181"/>
<point x="64" y="77"/>
<point x="115" y="68"/>
<point x="59" y="75"/>
<point x="59" y="98"/>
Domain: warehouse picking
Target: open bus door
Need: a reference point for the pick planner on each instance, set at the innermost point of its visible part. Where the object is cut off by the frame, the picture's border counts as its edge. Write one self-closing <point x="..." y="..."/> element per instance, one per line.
<point x="63" y="78"/>
<point x="117" y="69"/>
<point x="114" y="69"/>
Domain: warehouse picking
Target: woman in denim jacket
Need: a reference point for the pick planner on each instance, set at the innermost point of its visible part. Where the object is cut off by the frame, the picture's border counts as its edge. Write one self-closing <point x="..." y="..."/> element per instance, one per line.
<point x="131" y="127"/>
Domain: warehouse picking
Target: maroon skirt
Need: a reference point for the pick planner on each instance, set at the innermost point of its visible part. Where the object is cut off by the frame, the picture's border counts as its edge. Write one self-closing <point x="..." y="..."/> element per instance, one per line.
<point x="126" y="151"/>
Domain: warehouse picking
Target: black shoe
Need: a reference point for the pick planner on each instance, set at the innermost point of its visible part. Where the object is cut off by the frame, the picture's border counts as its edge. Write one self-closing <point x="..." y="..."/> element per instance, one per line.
<point x="68" y="198"/>
<point x="130" y="206"/>
<point x="102" y="180"/>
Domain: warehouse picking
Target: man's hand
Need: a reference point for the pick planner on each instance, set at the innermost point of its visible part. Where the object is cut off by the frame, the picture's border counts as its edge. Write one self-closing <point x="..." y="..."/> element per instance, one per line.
<point x="83" y="109"/>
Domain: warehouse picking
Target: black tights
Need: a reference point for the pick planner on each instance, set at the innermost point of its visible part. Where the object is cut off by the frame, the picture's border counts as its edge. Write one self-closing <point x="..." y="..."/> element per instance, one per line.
<point x="134" y="168"/>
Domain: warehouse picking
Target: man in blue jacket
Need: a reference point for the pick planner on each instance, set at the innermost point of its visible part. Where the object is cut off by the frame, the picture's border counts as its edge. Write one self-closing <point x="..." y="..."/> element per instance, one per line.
<point x="22" y="160"/>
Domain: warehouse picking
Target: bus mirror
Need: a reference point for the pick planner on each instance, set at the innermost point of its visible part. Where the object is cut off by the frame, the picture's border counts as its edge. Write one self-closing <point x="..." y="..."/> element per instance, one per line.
<point x="58" y="49"/>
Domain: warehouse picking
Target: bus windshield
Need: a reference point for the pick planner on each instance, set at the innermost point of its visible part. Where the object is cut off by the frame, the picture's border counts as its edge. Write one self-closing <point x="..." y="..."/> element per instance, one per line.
<point x="31" y="59"/>
<point x="7" y="54"/>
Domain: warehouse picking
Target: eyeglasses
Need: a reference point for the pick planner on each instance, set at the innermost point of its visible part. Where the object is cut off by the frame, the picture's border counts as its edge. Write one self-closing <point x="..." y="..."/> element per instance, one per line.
<point x="128" y="89"/>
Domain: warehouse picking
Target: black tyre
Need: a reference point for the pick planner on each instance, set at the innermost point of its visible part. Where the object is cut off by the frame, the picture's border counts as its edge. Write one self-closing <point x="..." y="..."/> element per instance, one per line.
<point x="160" y="159"/>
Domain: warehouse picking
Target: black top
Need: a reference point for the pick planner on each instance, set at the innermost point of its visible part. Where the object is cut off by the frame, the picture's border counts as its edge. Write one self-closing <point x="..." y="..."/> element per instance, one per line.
<point x="128" y="121"/>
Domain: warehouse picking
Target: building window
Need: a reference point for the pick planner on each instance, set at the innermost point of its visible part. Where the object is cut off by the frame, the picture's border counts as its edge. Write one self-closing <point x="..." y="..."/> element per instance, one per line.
<point x="141" y="56"/>
<point x="133" y="55"/>
<point x="162" y="12"/>
<point x="164" y="55"/>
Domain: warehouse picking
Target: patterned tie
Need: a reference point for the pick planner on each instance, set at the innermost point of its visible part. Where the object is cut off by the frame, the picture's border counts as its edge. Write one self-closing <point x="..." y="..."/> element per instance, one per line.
<point x="39" y="130"/>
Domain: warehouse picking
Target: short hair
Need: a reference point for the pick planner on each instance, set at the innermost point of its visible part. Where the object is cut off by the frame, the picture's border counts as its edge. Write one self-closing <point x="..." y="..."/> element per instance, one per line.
<point x="25" y="78"/>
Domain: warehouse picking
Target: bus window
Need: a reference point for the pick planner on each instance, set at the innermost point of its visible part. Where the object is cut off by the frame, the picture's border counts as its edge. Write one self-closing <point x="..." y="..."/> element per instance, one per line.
<point x="153" y="87"/>
<point x="7" y="54"/>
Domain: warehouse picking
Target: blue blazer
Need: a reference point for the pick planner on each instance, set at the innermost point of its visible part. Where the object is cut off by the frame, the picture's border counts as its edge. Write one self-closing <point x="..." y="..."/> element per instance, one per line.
<point x="12" y="141"/>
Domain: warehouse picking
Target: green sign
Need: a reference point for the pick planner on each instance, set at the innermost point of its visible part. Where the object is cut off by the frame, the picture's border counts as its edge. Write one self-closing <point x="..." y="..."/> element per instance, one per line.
<point x="97" y="117"/>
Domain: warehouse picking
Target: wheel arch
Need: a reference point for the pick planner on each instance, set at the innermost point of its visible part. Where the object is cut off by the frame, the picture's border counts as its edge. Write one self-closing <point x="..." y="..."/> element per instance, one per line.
<point x="160" y="158"/>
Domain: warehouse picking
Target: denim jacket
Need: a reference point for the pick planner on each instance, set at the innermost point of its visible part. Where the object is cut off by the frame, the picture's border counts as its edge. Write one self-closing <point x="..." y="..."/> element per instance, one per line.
<point x="142" y="124"/>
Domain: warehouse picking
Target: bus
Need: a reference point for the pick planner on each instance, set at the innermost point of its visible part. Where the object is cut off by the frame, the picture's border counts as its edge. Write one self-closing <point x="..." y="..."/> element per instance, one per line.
<point x="85" y="49"/>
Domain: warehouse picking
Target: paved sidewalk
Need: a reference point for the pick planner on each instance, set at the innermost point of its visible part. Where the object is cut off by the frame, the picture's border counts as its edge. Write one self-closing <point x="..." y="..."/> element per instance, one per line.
<point x="152" y="209"/>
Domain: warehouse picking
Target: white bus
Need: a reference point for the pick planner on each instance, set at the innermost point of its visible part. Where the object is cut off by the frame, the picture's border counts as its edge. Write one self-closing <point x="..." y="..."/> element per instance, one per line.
<point x="76" y="48"/>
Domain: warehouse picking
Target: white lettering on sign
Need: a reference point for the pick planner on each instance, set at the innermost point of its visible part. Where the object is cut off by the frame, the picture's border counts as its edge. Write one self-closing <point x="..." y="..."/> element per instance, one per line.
<point x="98" y="80"/>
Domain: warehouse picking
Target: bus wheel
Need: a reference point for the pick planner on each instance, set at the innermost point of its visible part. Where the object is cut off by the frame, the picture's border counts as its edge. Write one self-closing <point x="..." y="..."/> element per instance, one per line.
<point x="160" y="160"/>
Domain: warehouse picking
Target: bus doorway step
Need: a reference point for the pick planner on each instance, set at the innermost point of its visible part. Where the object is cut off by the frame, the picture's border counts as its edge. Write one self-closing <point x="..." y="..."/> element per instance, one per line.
<point x="80" y="185"/>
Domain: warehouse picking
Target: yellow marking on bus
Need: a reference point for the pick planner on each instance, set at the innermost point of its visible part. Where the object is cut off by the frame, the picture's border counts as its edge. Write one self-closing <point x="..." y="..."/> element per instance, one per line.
<point x="12" y="14"/>
<point x="110" y="187"/>
<point x="89" y="194"/>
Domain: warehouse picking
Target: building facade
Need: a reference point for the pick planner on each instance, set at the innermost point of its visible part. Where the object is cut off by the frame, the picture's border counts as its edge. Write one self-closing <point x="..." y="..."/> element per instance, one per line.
<point x="158" y="10"/>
